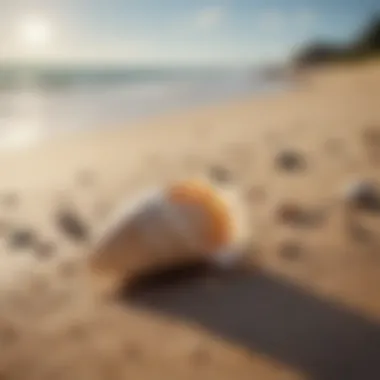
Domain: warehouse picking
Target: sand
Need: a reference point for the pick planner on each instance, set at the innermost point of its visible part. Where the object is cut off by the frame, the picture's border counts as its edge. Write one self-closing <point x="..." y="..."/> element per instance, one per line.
<point x="284" y="151"/>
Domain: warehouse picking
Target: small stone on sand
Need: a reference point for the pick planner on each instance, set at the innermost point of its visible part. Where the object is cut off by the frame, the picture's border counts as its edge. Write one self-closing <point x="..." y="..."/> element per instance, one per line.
<point x="364" y="195"/>
<point x="71" y="225"/>
<point x="290" y="161"/>
<point x="21" y="238"/>
<point x="220" y="174"/>
<point x="290" y="213"/>
<point x="294" y="214"/>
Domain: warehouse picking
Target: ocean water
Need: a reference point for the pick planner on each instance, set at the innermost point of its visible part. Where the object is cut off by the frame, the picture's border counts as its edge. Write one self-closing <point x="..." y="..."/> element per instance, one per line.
<point x="40" y="103"/>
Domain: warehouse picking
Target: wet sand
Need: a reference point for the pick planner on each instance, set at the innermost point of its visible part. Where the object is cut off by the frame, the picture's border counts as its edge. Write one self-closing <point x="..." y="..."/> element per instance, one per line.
<point x="291" y="157"/>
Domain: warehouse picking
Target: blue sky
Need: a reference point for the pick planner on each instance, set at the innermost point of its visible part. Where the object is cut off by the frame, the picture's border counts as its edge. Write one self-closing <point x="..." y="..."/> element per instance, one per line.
<point x="172" y="31"/>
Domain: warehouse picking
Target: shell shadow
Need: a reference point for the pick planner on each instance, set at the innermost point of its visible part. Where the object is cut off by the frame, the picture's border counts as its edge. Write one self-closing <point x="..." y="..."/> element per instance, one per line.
<point x="262" y="313"/>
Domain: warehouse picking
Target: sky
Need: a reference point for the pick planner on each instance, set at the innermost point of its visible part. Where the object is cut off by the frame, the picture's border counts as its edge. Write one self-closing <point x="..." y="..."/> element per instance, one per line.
<point x="172" y="31"/>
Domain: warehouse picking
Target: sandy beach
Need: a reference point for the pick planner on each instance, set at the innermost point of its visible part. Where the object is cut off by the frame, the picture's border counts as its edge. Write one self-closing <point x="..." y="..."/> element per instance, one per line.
<point x="329" y="126"/>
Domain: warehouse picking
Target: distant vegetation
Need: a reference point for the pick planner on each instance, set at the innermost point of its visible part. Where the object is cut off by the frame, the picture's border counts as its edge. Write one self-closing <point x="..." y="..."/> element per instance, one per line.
<point x="366" y="45"/>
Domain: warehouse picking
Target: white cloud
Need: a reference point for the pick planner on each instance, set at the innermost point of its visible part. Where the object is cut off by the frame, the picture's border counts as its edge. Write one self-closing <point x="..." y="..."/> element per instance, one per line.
<point x="209" y="18"/>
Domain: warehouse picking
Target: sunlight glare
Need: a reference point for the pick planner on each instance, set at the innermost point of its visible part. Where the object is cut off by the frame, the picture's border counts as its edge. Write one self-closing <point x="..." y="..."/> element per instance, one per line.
<point x="34" y="30"/>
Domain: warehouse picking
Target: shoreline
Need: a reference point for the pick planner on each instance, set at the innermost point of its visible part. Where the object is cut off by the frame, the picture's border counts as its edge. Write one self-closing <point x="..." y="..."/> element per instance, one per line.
<point x="37" y="112"/>
<point x="148" y="122"/>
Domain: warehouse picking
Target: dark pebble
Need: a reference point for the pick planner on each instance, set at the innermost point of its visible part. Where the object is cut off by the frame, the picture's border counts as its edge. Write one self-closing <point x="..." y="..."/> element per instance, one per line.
<point x="290" y="251"/>
<point x="71" y="225"/>
<point x="293" y="214"/>
<point x="290" y="213"/>
<point x="364" y="195"/>
<point x="290" y="161"/>
<point x="22" y="238"/>
<point x="220" y="174"/>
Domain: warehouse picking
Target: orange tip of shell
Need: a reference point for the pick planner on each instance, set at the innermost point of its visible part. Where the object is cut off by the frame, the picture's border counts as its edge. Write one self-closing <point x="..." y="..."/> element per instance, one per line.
<point x="220" y="227"/>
